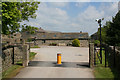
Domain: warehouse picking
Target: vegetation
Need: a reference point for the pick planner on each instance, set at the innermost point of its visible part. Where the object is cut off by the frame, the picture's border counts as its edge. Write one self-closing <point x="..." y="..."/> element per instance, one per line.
<point x="100" y="71"/>
<point x="111" y="31"/>
<point x="111" y="36"/>
<point x="12" y="71"/>
<point x="53" y="44"/>
<point x="29" y="40"/>
<point x="29" y="29"/>
<point x="97" y="43"/>
<point x="15" y="12"/>
<point x="35" y="47"/>
<point x="104" y="31"/>
<point x="76" y="43"/>
<point x="32" y="55"/>
<point x="15" y="69"/>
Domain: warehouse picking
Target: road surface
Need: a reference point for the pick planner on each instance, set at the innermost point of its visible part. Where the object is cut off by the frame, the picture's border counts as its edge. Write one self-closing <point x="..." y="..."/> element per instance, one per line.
<point x="75" y="63"/>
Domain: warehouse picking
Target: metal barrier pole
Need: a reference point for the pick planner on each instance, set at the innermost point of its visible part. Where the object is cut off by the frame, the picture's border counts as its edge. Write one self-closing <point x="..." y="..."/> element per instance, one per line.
<point x="59" y="58"/>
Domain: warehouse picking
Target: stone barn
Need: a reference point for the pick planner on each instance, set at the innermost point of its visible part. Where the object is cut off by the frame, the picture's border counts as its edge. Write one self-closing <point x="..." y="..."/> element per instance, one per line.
<point x="44" y="37"/>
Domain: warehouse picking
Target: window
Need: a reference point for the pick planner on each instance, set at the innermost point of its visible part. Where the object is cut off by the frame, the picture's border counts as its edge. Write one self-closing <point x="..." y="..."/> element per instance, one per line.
<point x="43" y="35"/>
<point x="55" y="36"/>
<point x="66" y="35"/>
<point x="80" y="35"/>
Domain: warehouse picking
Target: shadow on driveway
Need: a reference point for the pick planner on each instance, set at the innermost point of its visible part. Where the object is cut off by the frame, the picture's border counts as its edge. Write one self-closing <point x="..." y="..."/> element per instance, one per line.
<point x="53" y="64"/>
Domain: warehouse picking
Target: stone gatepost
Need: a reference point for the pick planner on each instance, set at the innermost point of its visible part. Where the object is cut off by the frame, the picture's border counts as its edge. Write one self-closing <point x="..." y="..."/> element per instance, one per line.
<point x="17" y="40"/>
<point x="91" y="55"/>
<point x="23" y="41"/>
<point x="25" y="55"/>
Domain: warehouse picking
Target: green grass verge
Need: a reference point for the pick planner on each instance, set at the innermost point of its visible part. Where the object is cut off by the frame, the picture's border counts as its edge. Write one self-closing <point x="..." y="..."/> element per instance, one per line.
<point x="100" y="71"/>
<point x="32" y="55"/>
<point x="15" y="69"/>
<point x="35" y="47"/>
<point x="11" y="71"/>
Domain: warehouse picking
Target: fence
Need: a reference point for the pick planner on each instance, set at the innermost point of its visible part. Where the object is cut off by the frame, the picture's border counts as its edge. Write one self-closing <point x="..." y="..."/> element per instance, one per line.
<point x="110" y="57"/>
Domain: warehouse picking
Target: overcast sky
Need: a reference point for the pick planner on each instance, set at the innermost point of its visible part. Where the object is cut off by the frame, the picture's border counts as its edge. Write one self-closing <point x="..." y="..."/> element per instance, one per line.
<point x="73" y="16"/>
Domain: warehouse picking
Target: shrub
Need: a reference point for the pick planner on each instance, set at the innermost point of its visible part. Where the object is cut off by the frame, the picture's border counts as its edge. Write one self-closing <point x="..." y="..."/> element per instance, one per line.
<point x="29" y="40"/>
<point x="53" y="44"/>
<point x="35" y="47"/>
<point x="76" y="43"/>
<point x="97" y="43"/>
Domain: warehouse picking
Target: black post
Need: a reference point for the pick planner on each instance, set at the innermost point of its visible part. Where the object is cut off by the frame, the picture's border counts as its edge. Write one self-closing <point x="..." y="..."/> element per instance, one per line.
<point x="114" y="55"/>
<point x="29" y="47"/>
<point x="13" y="56"/>
<point x="100" y="44"/>
<point x="105" y="55"/>
<point x="95" y="55"/>
<point x="35" y="41"/>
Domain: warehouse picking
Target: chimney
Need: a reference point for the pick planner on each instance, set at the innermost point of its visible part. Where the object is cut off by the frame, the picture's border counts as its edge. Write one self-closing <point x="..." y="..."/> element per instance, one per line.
<point x="80" y="31"/>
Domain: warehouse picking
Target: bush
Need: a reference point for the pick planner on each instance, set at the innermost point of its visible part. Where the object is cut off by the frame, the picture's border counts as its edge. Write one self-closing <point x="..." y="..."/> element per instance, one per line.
<point x="97" y="43"/>
<point x="35" y="47"/>
<point x="76" y="43"/>
<point x="29" y="40"/>
<point x="53" y="44"/>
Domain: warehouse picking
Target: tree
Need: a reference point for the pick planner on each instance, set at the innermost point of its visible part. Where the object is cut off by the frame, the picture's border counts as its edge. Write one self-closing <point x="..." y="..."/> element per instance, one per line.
<point x="29" y="29"/>
<point x="15" y="12"/>
<point x="97" y="43"/>
<point x="103" y="31"/>
<point x="113" y="32"/>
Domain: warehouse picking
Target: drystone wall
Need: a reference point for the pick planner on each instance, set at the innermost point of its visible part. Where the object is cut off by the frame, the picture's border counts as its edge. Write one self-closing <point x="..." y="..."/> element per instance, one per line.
<point x="13" y="54"/>
<point x="83" y="43"/>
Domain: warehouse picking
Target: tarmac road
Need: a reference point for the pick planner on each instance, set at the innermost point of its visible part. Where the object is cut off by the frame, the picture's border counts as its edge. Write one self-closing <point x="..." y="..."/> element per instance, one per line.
<point x="75" y="63"/>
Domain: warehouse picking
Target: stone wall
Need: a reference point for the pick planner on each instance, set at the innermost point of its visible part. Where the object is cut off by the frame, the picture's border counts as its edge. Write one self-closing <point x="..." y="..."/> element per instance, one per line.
<point x="7" y="58"/>
<point x="12" y="54"/>
<point x="83" y="43"/>
<point x="11" y="40"/>
<point x="32" y="44"/>
<point x="14" y="38"/>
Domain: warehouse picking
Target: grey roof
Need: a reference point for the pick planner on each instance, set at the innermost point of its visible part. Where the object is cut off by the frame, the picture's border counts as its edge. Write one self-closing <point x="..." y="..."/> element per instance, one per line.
<point x="41" y="30"/>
